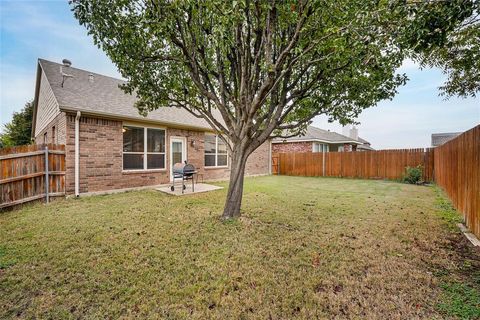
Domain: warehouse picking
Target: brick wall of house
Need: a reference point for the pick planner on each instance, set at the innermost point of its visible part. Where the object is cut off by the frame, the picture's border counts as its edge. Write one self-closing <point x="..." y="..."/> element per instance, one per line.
<point x="258" y="162"/>
<point x="195" y="154"/>
<point x="101" y="143"/>
<point x="288" y="147"/>
<point x="56" y="131"/>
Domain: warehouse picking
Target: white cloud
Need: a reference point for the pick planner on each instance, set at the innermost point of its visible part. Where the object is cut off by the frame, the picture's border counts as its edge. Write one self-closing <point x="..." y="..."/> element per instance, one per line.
<point x="408" y="65"/>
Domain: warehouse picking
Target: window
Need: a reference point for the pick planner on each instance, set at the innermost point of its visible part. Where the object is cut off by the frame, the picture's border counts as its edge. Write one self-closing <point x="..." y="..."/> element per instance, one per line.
<point x="143" y="148"/>
<point x="45" y="140"/>
<point x="155" y="149"/>
<point x="215" y="151"/>
<point x="53" y="135"/>
<point x="320" y="147"/>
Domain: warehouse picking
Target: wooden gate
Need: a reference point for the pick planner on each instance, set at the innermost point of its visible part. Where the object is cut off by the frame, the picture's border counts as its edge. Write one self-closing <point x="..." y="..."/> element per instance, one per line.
<point x="30" y="173"/>
<point x="275" y="164"/>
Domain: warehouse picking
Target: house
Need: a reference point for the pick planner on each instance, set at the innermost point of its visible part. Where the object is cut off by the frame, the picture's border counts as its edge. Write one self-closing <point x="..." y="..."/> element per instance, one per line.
<point x="110" y="146"/>
<point x="440" y="138"/>
<point x="365" y="146"/>
<point x="352" y="132"/>
<point x="316" y="140"/>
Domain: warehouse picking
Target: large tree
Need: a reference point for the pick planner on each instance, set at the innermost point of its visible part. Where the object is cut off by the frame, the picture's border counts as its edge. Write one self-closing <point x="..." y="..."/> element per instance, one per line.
<point x="452" y="45"/>
<point x="257" y="69"/>
<point x="19" y="130"/>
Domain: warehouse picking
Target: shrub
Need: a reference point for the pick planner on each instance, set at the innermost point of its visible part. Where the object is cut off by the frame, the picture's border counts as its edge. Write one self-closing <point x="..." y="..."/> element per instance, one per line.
<point x="413" y="175"/>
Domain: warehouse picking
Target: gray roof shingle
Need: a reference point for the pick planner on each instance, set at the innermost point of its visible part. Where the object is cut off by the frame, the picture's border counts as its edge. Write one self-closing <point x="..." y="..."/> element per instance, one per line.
<point x="317" y="134"/>
<point x="365" y="147"/>
<point x="440" y="138"/>
<point x="104" y="97"/>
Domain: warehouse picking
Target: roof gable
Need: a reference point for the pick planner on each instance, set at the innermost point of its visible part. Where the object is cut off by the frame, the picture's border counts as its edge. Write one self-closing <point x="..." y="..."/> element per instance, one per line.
<point x="45" y="105"/>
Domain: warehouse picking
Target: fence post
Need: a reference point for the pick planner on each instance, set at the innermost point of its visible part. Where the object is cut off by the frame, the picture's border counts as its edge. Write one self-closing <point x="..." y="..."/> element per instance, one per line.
<point x="46" y="175"/>
<point x="323" y="162"/>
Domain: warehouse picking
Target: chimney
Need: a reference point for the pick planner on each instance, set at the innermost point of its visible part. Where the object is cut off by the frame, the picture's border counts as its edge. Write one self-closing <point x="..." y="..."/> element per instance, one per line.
<point x="346" y="130"/>
<point x="354" y="133"/>
<point x="91" y="78"/>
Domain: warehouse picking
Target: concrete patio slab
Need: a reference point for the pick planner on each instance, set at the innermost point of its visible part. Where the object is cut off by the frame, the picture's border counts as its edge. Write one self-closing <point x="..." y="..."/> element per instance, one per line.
<point x="199" y="188"/>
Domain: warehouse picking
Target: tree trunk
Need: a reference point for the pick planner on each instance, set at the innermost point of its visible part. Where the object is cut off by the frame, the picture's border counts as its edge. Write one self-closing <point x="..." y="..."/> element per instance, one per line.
<point x="235" y="187"/>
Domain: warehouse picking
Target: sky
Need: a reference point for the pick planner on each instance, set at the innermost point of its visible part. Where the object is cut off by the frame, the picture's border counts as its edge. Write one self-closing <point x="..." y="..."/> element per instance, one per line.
<point x="47" y="29"/>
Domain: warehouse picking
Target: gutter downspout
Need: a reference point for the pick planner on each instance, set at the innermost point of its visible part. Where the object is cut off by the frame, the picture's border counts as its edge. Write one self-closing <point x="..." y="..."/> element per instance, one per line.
<point x="77" y="154"/>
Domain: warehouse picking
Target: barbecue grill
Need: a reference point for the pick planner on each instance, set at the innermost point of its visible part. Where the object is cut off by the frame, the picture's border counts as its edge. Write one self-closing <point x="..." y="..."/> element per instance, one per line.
<point x="184" y="171"/>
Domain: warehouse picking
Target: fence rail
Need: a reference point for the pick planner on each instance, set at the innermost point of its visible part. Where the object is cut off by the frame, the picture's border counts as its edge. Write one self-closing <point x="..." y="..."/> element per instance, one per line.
<point x="457" y="171"/>
<point x="383" y="164"/>
<point x="30" y="173"/>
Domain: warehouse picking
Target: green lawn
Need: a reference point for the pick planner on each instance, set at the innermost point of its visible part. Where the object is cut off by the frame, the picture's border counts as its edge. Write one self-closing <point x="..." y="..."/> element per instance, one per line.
<point x="304" y="248"/>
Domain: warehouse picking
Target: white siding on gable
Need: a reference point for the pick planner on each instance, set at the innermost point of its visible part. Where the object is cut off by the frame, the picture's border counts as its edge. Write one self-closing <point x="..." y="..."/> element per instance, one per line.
<point x="47" y="107"/>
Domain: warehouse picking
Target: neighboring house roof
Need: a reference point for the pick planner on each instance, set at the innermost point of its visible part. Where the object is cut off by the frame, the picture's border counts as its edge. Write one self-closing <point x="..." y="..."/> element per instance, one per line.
<point x="440" y="138"/>
<point x="320" y="135"/>
<point x="103" y="97"/>
<point x="365" y="145"/>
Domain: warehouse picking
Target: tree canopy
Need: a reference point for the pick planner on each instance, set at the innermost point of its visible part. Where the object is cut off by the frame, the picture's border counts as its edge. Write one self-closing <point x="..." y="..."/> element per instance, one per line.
<point x="457" y="53"/>
<point x="260" y="69"/>
<point x="18" y="131"/>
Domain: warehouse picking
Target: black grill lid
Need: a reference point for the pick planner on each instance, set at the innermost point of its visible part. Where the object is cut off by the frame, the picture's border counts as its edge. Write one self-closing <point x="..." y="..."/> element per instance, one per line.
<point x="183" y="168"/>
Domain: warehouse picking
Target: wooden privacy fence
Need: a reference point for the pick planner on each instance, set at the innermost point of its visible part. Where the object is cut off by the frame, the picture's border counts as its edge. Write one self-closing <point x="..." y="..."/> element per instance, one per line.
<point x="383" y="164"/>
<point x="457" y="171"/>
<point x="30" y="173"/>
<point x="454" y="166"/>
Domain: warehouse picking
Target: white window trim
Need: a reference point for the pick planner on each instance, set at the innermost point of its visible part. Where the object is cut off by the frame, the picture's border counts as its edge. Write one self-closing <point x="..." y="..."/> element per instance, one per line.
<point x="214" y="154"/>
<point x="145" y="152"/>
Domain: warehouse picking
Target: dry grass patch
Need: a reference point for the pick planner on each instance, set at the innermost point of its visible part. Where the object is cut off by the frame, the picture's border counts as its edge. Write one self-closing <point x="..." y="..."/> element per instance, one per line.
<point x="304" y="248"/>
